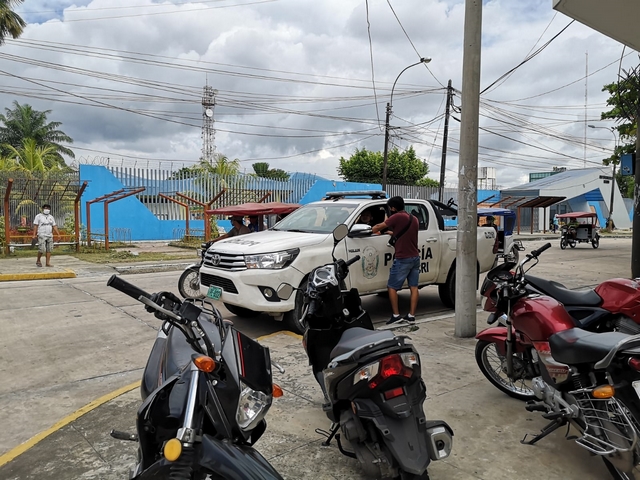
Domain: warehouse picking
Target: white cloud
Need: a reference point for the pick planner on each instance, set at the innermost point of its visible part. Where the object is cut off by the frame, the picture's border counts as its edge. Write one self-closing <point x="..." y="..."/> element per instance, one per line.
<point x="295" y="77"/>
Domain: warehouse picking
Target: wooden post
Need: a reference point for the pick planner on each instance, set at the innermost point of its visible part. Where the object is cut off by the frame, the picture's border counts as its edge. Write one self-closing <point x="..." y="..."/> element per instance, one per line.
<point x="7" y="233"/>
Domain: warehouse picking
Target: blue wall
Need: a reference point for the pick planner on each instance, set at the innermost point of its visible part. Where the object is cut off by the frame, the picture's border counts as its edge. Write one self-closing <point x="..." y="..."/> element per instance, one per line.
<point x="127" y="213"/>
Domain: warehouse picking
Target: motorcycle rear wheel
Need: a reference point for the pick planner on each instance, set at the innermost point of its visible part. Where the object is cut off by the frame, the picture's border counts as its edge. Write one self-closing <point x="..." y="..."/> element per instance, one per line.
<point x="189" y="283"/>
<point x="563" y="243"/>
<point x="493" y="367"/>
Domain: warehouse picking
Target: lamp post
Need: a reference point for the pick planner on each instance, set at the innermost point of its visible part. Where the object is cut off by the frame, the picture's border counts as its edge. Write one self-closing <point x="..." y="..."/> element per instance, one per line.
<point x="386" y="122"/>
<point x="613" y="181"/>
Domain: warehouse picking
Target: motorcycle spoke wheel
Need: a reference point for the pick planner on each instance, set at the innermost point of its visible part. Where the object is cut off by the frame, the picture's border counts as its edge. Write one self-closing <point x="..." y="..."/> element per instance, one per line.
<point x="189" y="284"/>
<point x="493" y="366"/>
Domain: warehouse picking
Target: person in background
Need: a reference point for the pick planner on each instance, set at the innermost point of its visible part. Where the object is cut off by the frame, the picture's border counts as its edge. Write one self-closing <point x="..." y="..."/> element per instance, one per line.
<point x="239" y="228"/>
<point x="254" y="224"/>
<point x="45" y="227"/>
<point x="406" y="263"/>
<point x="556" y="223"/>
<point x="366" y="218"/>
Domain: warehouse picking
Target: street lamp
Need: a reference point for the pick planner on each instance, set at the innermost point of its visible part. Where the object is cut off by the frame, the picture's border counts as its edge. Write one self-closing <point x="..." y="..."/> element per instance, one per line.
<point x="613" y="182"/>
<point x="386" y="123"/>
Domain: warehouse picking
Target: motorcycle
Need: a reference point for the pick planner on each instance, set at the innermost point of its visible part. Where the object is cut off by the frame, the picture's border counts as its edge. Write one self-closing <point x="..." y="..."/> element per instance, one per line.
<point x="371" y="380"/>
<point x="206" y="389"/>
<point x="614" y="305"/>
<point x="575" y="377"/>
<point x="189" y="281"/>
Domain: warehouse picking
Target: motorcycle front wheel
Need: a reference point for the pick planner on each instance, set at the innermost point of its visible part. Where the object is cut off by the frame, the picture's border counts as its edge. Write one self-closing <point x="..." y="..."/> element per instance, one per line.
<point x="493" y="366"/>
<point x="189" y="283"/>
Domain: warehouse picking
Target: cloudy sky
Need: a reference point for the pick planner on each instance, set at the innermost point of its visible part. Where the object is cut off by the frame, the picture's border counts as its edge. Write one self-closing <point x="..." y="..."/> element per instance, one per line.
<point x="301" y="83"/>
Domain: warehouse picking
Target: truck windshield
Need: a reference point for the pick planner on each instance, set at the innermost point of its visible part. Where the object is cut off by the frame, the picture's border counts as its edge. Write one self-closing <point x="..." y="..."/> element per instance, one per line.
<point x="316" y="218"/>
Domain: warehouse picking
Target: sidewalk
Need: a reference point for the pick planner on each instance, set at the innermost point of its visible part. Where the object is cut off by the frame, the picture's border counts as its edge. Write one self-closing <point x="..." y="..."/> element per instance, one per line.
<point x="488" y="425"/>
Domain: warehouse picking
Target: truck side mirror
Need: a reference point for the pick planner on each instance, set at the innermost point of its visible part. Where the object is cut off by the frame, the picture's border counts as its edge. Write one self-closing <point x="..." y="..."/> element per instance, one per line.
<point x="360" y="230"/>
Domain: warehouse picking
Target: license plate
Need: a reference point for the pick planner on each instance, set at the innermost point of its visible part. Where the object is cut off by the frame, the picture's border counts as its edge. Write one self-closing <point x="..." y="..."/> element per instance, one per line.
<point x="214" y="292"/>
<point x="636" y="387"/>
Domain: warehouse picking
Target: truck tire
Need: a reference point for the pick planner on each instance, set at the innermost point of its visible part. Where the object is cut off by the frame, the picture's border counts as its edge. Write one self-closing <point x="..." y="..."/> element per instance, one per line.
<point x="241" y="311"/>
<point x="447" y="290"/>
<point x="292" y="319"/>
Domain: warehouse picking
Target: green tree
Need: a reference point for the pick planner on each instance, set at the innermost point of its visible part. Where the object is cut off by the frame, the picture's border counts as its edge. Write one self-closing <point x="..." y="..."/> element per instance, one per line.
<point x="24" y="122"/>
<point x="624" y="100"/>
<point x="11" y="24"/>
<point x="262" y="170"/>
<point x="33" y="158"/>
<point x="403" y="168"/>
<point x="221" y="166"/>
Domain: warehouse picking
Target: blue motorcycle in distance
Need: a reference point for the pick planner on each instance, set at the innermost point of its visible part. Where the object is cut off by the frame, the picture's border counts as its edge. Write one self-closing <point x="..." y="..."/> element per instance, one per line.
<point x="206" y="389"/>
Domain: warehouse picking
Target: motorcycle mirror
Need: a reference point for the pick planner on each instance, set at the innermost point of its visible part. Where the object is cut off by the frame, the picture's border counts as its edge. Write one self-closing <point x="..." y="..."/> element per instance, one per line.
<point x="340" y="232"/>
<point x="284" y="291"/>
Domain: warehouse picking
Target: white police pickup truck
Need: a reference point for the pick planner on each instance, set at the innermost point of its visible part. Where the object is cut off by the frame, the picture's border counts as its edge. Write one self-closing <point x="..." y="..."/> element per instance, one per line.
<point x="245" y="271"/>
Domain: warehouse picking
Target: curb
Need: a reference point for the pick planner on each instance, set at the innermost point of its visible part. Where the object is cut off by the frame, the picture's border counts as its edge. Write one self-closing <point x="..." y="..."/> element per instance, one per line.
<point x="166" y="267"/>
<point x="16" y="277"/>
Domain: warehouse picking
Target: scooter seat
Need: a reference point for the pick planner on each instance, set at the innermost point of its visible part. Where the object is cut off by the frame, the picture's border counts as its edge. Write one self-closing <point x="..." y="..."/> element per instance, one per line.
<point x="583" y="298"/>
<point x="356" y="337"/>
<point x="575" y="346"/>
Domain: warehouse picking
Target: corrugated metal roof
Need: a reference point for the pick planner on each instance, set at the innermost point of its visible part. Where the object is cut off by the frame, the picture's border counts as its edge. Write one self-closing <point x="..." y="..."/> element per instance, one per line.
<point x="570" y="176"/>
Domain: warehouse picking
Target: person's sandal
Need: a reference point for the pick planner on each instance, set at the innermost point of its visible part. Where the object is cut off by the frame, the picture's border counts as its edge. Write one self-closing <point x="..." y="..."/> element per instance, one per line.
<point x="38" y="264"/>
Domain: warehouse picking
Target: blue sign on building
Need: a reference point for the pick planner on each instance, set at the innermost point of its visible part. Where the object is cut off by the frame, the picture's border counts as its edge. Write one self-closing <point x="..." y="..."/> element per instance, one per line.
<point x="628" y="164"/>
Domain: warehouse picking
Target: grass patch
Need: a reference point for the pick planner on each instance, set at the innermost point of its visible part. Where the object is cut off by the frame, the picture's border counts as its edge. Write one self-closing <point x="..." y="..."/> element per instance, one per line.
<point x="128" y="257"/>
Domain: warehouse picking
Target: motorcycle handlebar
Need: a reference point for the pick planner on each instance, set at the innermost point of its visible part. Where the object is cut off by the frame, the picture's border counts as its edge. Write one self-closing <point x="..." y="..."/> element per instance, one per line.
<point x="536" y="253"/>
<point x="126" y="287"/>
<point x="355" y="259"/>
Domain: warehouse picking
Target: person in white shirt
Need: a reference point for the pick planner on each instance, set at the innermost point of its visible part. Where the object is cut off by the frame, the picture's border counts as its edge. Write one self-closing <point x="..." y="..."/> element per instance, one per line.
<point x="45" y="226"/>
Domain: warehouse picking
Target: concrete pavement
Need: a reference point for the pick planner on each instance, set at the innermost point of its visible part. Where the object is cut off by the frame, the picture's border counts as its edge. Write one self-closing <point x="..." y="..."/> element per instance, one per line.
<point x="60" y="355"/>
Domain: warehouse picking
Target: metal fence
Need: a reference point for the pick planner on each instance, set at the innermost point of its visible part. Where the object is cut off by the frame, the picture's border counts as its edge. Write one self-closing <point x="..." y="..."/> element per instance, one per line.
<point x="425" y="193"/>
<point x="204" y="187"/>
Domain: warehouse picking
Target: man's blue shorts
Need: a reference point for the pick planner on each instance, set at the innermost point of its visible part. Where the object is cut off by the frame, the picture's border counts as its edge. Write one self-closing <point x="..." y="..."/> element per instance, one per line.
<point x="404" y="269"/>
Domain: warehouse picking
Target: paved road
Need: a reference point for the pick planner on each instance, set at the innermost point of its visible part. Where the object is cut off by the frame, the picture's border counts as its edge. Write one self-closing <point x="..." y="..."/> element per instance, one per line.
<point x="66" y="342"/>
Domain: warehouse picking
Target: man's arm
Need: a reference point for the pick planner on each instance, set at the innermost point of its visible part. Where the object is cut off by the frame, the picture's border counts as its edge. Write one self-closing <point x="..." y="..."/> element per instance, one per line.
<point x="35" y="224"/>
<point x="379" y="227"/>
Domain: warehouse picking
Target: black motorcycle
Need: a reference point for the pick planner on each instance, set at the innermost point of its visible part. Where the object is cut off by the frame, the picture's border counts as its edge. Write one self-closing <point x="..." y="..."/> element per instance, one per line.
<point x="189" y="281"/>
<point x="371" y="380"/>
<point x="206" y="389"/>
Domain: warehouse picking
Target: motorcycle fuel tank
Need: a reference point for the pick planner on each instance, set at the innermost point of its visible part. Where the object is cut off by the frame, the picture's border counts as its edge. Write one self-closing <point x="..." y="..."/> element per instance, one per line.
<point x="620" y="295"/>
<point x="540" y="317"/>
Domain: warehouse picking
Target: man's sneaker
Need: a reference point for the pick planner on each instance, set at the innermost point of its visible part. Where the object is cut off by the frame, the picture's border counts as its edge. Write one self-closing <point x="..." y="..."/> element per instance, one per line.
<point x="409" y="318"/>
<point x="394" y="319"/>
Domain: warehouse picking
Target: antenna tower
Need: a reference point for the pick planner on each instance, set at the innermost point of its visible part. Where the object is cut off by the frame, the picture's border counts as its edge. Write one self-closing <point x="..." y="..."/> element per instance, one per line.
<point x="208" y="129"/>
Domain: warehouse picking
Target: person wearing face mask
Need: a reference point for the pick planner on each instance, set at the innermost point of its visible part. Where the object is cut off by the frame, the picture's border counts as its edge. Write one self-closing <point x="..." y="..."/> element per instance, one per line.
<point x="45" y="226"/>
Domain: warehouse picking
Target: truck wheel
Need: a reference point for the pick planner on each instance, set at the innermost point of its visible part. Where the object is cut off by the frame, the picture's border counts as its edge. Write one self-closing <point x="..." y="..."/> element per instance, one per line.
<point x="447" y="290"/>
<point x="293" y="319"/>
<point x="241" y="311"/>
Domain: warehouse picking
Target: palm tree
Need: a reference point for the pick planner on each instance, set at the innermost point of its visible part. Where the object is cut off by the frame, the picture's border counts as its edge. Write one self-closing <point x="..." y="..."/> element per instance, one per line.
<point x="24" y="122"/>
<point x="10" y="22"/>
<point x="33" y="158"/>
<point x="221" y="166"/>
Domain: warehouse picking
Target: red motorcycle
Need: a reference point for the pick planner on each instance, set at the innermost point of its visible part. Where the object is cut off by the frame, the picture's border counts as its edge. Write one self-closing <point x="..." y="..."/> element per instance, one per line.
<point x="587" y="379"/>
<point x="614" y="305"/>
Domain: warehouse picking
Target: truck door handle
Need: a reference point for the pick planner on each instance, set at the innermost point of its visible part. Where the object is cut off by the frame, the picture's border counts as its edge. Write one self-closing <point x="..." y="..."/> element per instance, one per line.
<point x="431" y="240"/>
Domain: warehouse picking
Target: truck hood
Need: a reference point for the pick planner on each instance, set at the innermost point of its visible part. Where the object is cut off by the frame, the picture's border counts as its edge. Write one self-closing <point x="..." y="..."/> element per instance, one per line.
<point x="268" y="241"/>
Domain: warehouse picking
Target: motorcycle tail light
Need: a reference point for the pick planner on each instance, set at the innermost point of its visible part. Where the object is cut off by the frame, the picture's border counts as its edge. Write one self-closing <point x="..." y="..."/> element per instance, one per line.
<point x="390" y="366"/>
<point x="396" y="392"/>
<point x="634" y="363"/>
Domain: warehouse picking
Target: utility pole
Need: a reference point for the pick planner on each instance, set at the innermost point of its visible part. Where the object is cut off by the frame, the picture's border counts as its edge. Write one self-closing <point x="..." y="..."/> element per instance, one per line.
<point x="635" y="240"/>
<point x="386" y="148"/>
<point x="466" y="242"/>
<point x="443" y="163"/>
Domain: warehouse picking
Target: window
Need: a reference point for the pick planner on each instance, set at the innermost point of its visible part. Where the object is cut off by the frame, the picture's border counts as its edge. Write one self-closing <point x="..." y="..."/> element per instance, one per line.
<point x="421" y="213"/>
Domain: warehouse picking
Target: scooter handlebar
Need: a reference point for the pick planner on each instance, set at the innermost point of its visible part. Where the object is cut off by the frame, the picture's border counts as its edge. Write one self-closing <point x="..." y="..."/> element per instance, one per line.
<point x="536" y="253"/>
<point x="352" y="260"/>
<point x="127" y="288"/>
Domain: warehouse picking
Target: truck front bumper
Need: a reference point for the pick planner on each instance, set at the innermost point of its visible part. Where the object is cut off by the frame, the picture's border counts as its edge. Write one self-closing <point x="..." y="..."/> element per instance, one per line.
<point x="255" y="289"/>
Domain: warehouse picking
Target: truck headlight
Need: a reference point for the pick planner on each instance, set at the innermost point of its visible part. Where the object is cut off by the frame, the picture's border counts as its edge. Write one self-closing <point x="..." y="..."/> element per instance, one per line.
<point x="252" y="406"/>
<point x="274" y="260"/>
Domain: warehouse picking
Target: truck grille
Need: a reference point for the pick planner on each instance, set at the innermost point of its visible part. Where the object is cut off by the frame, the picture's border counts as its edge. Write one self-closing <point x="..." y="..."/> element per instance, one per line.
<point x="224" y="283"/>
<point x="224" y="261"/>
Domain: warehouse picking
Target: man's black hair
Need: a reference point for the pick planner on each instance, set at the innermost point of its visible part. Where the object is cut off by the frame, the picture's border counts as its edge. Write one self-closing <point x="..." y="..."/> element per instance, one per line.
<point x="46" y="205"/>
<point x="396" y="202"/>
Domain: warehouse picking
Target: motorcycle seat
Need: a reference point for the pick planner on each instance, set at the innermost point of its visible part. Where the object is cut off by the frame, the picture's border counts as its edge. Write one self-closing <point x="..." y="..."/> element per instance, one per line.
<point x="357" y="337"/>
<point x="583" y="298"/>
<point x="575" y="346"/>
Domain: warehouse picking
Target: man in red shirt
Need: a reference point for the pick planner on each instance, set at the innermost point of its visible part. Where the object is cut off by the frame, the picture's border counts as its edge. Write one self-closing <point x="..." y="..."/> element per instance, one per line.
<point x="406" y="264"/>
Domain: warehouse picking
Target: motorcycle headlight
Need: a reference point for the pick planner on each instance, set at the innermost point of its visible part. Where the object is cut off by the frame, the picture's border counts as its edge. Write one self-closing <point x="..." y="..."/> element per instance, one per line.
<point x="271" y="260"/>
<point x="252" y="407"/>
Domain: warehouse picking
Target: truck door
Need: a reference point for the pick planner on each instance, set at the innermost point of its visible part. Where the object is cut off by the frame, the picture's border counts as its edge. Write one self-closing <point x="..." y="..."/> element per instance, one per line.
<point x="429" y="241"/>
<point x="372" y="271"/>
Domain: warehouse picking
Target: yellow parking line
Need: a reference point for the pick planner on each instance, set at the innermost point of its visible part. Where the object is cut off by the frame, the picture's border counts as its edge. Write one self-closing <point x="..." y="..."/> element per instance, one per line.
<point x="20" y="449"/>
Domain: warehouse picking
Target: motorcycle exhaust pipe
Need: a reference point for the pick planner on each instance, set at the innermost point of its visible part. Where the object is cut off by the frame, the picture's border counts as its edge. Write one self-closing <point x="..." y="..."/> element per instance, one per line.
<point x="439" y="440"/>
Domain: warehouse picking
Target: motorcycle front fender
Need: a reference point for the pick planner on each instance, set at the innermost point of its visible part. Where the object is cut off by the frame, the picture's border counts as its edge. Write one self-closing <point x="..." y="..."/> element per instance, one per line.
<point x="498" y="335"/>
<point x="193" y="266"/>
<point x="223" y="459"/>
